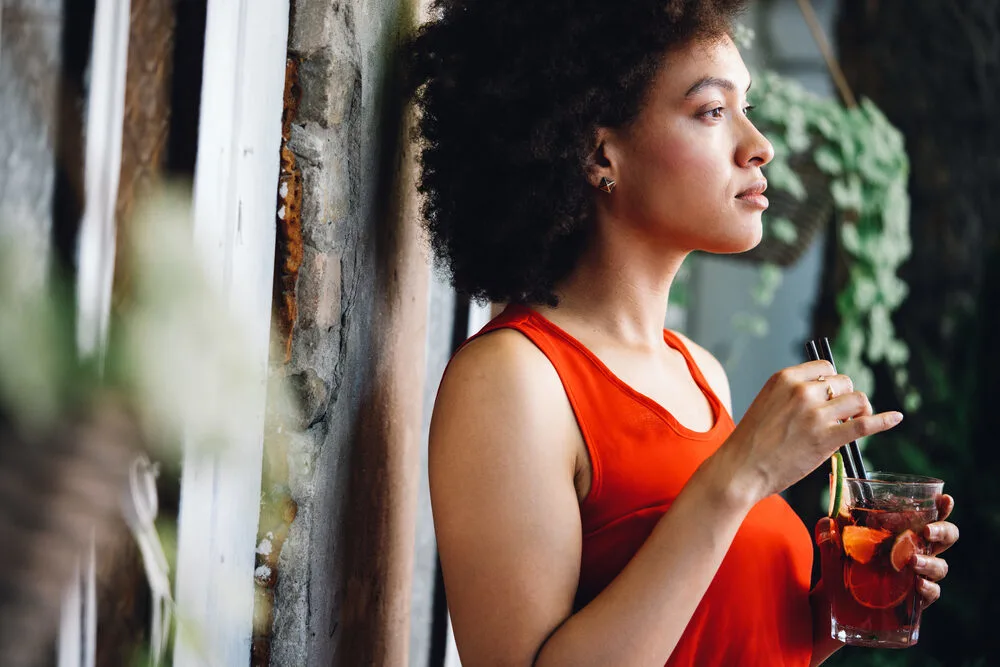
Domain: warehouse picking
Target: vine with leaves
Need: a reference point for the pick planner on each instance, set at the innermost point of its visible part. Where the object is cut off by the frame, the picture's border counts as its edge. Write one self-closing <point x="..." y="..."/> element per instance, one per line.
<point x="864" y="160"/>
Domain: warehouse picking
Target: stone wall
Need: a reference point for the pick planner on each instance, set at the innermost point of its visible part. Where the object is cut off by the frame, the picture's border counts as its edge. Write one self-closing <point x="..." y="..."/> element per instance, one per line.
<point x="29" y="75"/>
<point x="345" y="467"/>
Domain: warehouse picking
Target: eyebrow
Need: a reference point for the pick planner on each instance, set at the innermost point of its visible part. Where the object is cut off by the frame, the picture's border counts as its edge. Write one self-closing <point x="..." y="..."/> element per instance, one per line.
<point x="712" y="82"/>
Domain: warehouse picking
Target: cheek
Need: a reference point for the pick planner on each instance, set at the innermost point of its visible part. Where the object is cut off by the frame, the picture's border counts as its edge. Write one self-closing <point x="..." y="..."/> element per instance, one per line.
<point x="679" y="173"/>
<point x="681" y="183"/>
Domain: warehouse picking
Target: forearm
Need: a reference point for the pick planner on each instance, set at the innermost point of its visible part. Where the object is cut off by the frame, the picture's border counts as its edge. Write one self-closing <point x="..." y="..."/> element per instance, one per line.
<point x="823" y="644"/>
<point x="640" y="617"/>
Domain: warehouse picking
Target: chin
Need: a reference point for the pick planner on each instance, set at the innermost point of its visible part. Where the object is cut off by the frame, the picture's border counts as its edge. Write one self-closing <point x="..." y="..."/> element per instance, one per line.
<point x="754" y="239"/>
<point x="748" y="239"/>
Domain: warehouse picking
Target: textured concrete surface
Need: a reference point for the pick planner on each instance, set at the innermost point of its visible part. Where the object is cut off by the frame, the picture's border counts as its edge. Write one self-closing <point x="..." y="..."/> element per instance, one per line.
<point x="29" y="71"/>
<point x="358" y="348"/>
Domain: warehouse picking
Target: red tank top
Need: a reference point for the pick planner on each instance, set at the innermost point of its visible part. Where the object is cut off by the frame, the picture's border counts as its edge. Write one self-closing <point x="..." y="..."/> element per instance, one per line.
<point x="756" y="610"/>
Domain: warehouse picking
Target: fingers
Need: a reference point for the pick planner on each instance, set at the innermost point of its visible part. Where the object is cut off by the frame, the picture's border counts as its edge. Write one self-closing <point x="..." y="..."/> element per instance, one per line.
<point x="818" y="391"/>
<point x="941" y="535"/>
<point x="848" y="406"/>
<point x="945" y="504"/>
<point x="934" y="569"/>
<point x="824" y="531"/>
<point x="825" y="525"/>
<point x="831" y="387"/>
<point x="865" y="425"/>
<point x="817" y="382"/>
<point x="808" y="371"/>
<point x="929" y="591"/>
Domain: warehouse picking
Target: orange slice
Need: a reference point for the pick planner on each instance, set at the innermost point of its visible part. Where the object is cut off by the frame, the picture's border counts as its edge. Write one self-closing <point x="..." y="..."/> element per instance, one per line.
<point x="906" y="545"/>
<point x="861" y="543"/>
<point x="877" y="587"/>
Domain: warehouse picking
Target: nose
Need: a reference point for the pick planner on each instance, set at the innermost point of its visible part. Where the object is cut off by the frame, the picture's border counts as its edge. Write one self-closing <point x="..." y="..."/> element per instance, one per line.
<point x="753" y="150"/>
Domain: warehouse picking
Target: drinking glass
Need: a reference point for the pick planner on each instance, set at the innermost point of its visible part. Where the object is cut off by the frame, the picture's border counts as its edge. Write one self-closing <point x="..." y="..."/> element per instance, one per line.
<point x="867" y="558"/>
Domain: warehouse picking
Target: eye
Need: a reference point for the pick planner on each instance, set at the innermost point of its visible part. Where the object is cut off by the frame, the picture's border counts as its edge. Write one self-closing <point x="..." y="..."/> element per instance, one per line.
<point x="748" y="109"/>
<point x="717" y="113"/>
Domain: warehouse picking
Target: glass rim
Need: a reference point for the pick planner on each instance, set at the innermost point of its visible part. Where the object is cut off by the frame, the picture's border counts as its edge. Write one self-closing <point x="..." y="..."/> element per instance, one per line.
<point x="881" y="477"/>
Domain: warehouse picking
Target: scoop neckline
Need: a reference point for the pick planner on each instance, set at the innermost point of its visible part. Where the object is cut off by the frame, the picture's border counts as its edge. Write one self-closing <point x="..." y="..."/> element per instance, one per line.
<point x="672" y="341"/>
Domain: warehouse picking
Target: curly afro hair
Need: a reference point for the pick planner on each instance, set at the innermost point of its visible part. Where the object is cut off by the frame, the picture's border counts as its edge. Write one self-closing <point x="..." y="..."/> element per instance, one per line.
<point x="511" y="95"/>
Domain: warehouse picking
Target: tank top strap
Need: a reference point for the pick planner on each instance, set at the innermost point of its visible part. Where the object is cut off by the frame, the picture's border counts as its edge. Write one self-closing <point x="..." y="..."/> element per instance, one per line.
<point x="535" y="328"/>
<point x="676" y="342"/>
<point x="575" y="364"/>
<point x="583" y="387"/>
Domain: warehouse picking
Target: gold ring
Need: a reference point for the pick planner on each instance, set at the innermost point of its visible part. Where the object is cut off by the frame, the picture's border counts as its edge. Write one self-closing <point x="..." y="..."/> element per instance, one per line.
<point x="820" y="378"/>
<point x="829" y="393"/>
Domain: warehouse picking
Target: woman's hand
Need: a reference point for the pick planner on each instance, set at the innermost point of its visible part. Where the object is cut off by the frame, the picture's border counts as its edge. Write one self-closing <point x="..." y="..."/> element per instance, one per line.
<point x="940" y="535"/>
<point x="800" y="417"/>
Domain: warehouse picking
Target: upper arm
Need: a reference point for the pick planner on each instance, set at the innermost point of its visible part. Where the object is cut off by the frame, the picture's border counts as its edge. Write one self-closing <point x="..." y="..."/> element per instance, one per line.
<point x="713" y="371"/>
<point x="506" y="514"/>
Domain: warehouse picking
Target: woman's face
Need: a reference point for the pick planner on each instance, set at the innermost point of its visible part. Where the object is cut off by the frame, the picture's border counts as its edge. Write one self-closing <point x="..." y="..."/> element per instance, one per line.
<point x="689" y="168"/>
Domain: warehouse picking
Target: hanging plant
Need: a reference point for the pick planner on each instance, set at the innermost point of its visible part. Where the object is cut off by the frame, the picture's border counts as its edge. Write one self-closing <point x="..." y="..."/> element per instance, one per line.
<point x="851" y="162"/>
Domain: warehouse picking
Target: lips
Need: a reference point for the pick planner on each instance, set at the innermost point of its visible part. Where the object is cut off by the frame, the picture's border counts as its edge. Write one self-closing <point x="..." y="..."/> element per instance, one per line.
<point x="754" y="195"/>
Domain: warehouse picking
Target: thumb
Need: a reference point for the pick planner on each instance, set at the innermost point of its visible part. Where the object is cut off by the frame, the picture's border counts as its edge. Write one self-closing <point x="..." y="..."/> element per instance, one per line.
<point x="945" y="504"/>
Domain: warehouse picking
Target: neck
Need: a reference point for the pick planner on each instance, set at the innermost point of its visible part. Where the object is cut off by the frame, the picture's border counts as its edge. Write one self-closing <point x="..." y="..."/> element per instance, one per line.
<point x="621" y="287"/>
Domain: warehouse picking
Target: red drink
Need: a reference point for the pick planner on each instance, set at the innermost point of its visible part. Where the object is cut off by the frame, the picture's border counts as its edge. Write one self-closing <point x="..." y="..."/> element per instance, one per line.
<point x="867" y="561"/>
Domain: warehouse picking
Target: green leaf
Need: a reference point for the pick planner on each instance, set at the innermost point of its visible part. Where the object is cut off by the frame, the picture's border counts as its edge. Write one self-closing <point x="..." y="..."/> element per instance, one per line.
<point x="897" y="354"/>
<point x="827" y="128"/>
<point x="798" y="134"/>
<point x="828" y="161"/>
<point x="846" y="193"/>
<point x="866" y="159"/>
<point x="781" y="177"/>
<point x="850" y="238"/>
<point x="743" y="35"/>
<point x="769" y="279"/>
<point x="864" y="292"/>
<point x="783" y="229"/>
<point x="781" y="149"/>
<point x="755" y="325"/>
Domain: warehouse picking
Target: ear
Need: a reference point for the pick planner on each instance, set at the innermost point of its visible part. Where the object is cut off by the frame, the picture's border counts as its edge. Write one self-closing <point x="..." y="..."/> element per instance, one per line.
<point x="603" y="160"/>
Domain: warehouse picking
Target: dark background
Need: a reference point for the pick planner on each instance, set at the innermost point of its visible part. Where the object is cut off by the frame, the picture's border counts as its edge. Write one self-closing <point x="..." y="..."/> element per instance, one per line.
<point x="933" y="67"/>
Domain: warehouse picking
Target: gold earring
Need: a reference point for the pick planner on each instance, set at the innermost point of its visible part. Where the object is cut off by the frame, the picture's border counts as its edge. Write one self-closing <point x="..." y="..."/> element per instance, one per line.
<point x="606" y="184"/>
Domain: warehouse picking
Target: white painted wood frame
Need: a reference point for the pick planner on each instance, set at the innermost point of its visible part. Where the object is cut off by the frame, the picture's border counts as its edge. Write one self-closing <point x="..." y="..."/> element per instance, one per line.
<point x="105" y="115"/>
<point x="102" y="170"/>
<point x="236" y="177"/>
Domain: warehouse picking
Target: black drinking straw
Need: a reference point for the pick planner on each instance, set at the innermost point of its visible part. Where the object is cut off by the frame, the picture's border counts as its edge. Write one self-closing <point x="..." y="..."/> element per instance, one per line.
<point x="850" y="453"/>
<point x="852" y="446"/>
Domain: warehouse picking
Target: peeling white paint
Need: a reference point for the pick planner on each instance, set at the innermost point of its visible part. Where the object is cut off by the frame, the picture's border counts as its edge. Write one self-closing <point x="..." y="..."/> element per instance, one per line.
<point x="239" y="138"/>
<point x="264" y="548"/>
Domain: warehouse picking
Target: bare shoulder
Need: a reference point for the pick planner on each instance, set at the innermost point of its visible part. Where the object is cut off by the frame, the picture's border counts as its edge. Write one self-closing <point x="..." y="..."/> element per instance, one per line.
<point x="497" y="374"/>
<point x="501" y="475"/>
<point x="501" y="397"/>
<point x="712" y="370"/>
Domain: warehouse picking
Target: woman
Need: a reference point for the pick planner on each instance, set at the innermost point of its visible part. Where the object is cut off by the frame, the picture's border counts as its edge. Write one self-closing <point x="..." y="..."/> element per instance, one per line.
<point x="593" y="501"/>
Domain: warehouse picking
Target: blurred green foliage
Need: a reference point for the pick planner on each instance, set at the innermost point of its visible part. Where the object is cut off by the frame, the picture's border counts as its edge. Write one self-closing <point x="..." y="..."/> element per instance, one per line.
<point x="948" y="433"/>
<point x="864" y="160"/>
